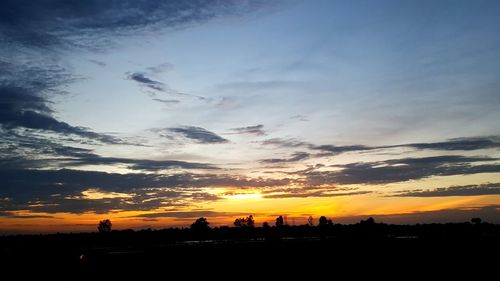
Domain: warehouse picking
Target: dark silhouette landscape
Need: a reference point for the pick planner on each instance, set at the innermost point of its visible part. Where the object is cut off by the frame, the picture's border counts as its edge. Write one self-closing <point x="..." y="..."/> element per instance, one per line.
<point x="367" y="243"/>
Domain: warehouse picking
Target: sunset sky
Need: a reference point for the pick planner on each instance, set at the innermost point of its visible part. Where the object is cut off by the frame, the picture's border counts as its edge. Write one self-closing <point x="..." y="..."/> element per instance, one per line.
<point x="155" y="113"/>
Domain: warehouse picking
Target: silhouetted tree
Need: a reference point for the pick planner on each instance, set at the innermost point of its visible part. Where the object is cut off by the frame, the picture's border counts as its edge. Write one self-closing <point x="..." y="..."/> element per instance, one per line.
<point x="265" y="225"/>
<point x="324" y="222"/>
<point x="476" y="221"/>
<point x="250" y="221"/>
<point x="279" y="221"/>
<point x="104" y="226"/>
<point x="244" y="222"/>
<point x="310" y="221"/>
<point x="368" y="221"/>
<point x="200" y="224"/>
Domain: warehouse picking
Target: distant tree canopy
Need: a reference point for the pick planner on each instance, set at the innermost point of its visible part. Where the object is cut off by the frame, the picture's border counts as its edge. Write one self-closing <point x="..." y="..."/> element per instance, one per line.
<point x="476" y="220"/>
<point x="244" y="222"/>
<point x="279" y="221"/>
<point x="323" y="222"/>
<point x="104" y="226"/>
<point x="200" y="224"/>
<point x="368" y="221"/>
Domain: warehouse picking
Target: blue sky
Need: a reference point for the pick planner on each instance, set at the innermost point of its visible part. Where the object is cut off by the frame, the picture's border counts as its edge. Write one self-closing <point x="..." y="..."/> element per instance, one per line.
<point x="247" y="93"/>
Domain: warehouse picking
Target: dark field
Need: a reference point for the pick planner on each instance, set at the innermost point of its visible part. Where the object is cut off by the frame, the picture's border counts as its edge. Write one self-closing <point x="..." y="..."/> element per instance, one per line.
<point x="420" y="248"/>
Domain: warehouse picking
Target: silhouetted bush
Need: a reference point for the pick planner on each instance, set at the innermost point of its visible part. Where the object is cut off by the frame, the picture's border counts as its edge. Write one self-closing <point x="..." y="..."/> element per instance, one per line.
<point x="104" y="226"/>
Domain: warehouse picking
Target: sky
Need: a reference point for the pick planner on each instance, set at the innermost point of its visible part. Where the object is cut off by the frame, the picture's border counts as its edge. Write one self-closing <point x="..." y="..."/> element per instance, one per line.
<point x="155" y="113"/>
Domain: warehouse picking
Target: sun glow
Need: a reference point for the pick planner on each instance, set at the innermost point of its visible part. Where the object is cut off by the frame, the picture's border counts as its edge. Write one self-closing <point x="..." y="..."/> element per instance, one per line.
<point x="243" y="196"/>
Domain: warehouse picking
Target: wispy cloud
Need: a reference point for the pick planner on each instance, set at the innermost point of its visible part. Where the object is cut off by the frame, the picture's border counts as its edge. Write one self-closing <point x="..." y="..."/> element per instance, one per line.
<point x="197" y="134"/>
<point x="296" y="157"/>
<point x="22" y="108"/>
<point x="400" y="170"/>
<point x="462" y="190"/>
<point x="146" y="81"/>
<point x="155" y="86"/>
<point x="286" y="143"/>
<point x="257" y="130"/>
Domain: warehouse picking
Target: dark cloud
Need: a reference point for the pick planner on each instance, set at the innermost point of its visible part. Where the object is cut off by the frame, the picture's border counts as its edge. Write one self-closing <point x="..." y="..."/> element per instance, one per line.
<point x="333" y="149"/>
<point x="164" y="101"/>
<point x="148" y="82"/>
<point x="63" y="190"/>
<point x="197" y="134"/>
<point x="33" y="32"/>
<point x="296" y="157"/>
<point x="399" y="170"/>
<point x="464" y="144"/>
<point x="136" y="164"/>
<point x="20" y="152"/>
<point x="463" y="190"/>
<point x="286" y="143"/>
<point x="45" y="23"/>
<point x="21" y="108"/>
<point x="97" y="62"/>
<point x="156" y="86"/>
<point x="257" y="130"/>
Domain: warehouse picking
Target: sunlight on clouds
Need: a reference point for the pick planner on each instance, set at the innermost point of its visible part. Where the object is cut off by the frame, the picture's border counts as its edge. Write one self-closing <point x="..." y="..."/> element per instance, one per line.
<point x="94" y="193"/>
<point x="243" y="196"/>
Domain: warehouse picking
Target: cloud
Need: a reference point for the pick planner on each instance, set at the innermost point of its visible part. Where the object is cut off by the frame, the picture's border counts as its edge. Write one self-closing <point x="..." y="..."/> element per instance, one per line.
<point x="167" y="101"/>
<point x="156" y="86"/>
<point x="320" y="193"/>
<point x="197" y="134"/>
<point x="399" y="170"/>
<point x="14" y="215"/>
<point x="257" y="130"/>
<point x="20" y="152"/>
<point x="21" y="108"/>
<point x="45" y="23"/>
<point x="161" y="68"/>
<point x="465" y="144"/>
<point x="190" y="214"/>
<point x="286" y="143"/>
<point x="148" y="82"/>
<point x="334" y="150"/>
<point x="296" y="157"/>
<point x="459" y="144"/>
<point x="300" y="117"/>
<point x="97" y="62"/>
<point x="66" y="190"/>
<point x="463" y="190"/>
<point x="33" y="32"/>
<point x="136" y="164"/>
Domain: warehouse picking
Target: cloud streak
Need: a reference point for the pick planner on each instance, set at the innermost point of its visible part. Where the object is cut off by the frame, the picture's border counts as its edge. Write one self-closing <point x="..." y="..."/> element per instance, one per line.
<point x="296" y="157"/>
<point x="197" y="134"/>
<point x="257" y="130"/>
<point x="400" y="170"/>
<point x="463" y="190"/>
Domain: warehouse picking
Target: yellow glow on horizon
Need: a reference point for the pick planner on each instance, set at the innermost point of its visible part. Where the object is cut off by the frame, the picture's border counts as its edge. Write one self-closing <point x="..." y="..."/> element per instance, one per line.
<point x="243" y="196"/>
